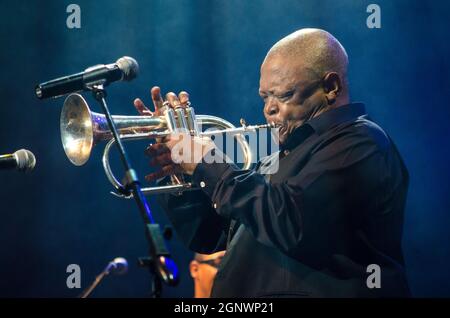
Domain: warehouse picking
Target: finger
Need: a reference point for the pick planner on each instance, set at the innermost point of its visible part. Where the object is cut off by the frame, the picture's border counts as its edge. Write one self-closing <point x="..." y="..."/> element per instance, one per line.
<point x="184" y="98"/>
<point x="189" y="150"/>
<point x="176" y="138"/>
<point x="156" y="98"/>
<point x="162" y="160"/>
<point x="156" y="149"/>
<point x="173" y="100"/>
<point x="165" y="171"/>
<point x="141" y="108"/>
<point x="164" y="145"/>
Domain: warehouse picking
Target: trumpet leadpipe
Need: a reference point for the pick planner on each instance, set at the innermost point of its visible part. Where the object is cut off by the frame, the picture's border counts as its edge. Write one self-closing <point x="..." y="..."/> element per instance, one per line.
<point x="237" y="130"/>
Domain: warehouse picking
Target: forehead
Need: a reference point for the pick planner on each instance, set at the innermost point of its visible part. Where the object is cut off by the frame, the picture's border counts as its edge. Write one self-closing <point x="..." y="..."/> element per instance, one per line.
<point x="213" y="256"/>
<point x="279" y="72"/>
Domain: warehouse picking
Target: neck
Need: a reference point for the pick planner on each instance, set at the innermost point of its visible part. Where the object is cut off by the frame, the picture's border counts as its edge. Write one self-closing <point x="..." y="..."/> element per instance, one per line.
<point x="200" y="292"/>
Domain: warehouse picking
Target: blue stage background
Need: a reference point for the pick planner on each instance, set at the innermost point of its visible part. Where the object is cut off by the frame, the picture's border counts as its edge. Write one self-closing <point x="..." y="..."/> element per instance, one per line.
<point x="60" y="214"/>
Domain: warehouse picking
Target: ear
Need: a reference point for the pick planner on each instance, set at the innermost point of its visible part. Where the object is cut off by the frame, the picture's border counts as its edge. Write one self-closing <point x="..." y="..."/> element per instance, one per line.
<point x="193" y="268"/>
<point x="332" y="86"/>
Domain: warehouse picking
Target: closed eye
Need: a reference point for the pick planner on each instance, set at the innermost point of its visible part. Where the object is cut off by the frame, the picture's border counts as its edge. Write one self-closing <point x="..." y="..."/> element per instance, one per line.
<point x="286" y="96"/>
<point x="282" y="97"/>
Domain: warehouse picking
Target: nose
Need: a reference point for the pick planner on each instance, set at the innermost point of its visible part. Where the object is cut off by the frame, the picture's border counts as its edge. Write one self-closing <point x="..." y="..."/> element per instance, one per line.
<point x="271" y="107"/>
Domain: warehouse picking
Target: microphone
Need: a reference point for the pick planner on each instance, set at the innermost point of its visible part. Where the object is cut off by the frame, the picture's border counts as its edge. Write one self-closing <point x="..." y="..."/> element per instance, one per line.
<point x="117" y="266"/>
<point x="125" y="69"/>
<point x="23" y="160"/>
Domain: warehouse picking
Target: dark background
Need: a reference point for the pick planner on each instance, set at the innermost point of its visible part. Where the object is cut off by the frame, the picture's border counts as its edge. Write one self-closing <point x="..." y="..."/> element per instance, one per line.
<point x="60" y="214"/>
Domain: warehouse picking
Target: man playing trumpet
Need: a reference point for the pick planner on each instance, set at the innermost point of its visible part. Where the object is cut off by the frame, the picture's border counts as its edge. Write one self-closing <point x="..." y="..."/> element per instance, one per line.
<point x="333" y="209"/>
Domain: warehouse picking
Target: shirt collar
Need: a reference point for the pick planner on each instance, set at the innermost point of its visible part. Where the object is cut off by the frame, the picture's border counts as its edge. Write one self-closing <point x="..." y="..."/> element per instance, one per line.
<point x="323" y="122"/>
<point x="336" y="116"/>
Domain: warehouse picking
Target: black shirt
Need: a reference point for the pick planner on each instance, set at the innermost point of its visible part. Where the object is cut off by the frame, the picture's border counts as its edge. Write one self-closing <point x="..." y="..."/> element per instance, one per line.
<point x="334" y="207"/>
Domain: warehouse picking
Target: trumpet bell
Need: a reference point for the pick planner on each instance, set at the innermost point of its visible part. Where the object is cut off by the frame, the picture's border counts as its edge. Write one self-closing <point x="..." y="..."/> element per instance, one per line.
<point x="81" y="128"/>
<point x="77" y="131"/>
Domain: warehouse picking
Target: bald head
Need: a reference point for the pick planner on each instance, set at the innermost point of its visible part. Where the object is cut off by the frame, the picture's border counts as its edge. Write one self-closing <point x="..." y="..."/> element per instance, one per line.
<point x="206" y="257"/>
<point x="303" y="76"/>
<point x="317" y="51"/>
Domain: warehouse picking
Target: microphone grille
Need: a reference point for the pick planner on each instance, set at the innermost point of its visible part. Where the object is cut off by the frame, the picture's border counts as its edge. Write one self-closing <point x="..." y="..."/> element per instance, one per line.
<point x="129" y="66"/>
<point x="25" y="160"/>
<point x="120" y="266"/>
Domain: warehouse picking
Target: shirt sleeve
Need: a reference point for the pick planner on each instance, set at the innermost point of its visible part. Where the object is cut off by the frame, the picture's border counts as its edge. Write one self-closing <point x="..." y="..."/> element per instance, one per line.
<point x="195" y="221"/>
<point x="288" y="215"/>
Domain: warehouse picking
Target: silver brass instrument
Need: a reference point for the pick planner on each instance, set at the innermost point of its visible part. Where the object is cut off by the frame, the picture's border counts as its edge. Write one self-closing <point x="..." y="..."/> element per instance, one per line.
<point x="82" y="129"/>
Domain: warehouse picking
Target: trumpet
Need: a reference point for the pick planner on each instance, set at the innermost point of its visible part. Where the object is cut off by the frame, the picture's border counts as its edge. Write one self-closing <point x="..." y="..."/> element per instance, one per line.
<point x="82" y="129"/>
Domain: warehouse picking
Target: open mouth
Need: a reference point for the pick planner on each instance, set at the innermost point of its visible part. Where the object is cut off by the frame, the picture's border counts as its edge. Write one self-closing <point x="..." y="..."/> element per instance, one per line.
<point x="281" y="129"/>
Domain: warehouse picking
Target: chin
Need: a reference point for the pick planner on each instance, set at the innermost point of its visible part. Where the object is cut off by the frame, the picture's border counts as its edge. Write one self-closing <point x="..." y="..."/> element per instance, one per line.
<point x="282" y="141"/>
<point x="279" y="139"/>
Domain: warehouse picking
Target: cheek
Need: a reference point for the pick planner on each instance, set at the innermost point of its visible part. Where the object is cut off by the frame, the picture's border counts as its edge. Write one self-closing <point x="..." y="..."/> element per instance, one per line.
<point x="314" y="101"/>
<point x="208" y="276"/>
<point x="309" y="106"/>
<point x="292" y="111"/>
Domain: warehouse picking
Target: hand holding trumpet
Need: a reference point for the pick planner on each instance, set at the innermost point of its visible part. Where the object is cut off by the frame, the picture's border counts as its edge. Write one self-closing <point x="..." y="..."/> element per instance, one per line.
<point x="178" y="131"/>
<point x="165" y="154"/>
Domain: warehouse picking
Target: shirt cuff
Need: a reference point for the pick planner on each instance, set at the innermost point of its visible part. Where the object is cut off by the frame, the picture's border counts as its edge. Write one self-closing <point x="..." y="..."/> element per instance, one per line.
<point x="208" y="175"/>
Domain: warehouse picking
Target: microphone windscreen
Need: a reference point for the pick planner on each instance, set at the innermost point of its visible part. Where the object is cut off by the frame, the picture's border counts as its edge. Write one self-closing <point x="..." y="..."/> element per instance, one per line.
<point x="25" y="160"/>
<point x="129" y="66"/>
<point x="120" y="266"/>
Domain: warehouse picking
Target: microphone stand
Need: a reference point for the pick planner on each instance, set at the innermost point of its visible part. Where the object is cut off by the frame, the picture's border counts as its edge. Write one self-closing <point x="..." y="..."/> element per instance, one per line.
<point x="94" y="284"/>
<point x="159" y="262"/>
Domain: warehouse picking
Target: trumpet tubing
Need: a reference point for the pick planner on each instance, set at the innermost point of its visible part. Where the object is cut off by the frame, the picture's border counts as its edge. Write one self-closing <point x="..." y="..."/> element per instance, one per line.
<point x="82" y="129"/>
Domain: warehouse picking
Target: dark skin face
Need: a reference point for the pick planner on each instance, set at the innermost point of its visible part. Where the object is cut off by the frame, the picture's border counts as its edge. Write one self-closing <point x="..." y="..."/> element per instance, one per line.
<point x="292" y="94"/>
